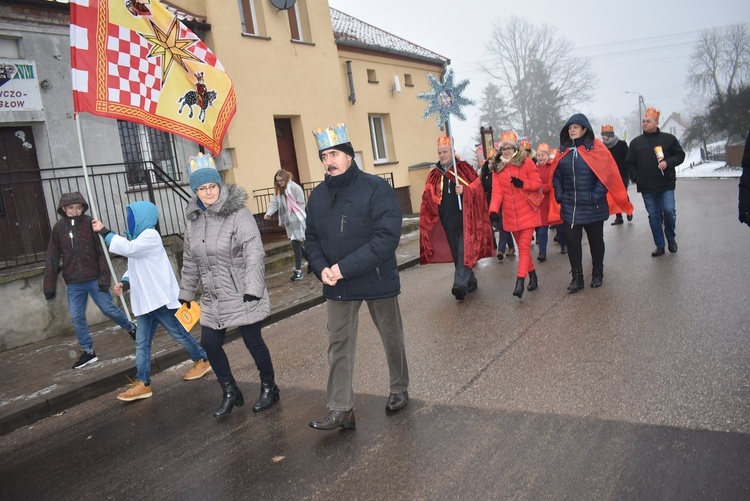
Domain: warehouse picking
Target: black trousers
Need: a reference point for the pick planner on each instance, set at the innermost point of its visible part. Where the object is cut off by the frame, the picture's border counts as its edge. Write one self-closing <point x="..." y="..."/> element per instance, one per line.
<point x="574" y="235"/>
<point x="212" y="341"/>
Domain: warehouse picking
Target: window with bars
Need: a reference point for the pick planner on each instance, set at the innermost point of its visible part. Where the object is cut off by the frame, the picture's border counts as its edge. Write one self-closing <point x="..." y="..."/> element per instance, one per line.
<point x="140" y="145"/>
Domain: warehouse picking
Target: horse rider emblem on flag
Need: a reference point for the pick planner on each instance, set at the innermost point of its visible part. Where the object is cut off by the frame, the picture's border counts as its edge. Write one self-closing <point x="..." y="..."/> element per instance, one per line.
<point x="133" y="60"/>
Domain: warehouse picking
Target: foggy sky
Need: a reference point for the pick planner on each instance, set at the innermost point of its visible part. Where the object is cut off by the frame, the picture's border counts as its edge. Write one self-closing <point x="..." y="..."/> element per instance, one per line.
<point x="638" y="46"/>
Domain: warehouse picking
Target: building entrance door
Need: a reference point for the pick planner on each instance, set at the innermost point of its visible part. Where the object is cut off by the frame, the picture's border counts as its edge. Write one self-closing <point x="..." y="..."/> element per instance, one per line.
<point x="24" y="224"/>
<point x="285" y="141"/>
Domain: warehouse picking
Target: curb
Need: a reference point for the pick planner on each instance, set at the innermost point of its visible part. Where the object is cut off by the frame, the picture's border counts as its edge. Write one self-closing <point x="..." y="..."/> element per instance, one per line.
<point x="63" y="400"/>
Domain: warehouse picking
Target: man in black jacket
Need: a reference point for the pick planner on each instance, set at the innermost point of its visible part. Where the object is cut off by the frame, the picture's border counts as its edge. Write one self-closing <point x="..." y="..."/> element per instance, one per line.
<point x="619" y="150"/>
<point x="744" y="198"/>
<point x="651" y="161"/>
<point x="353" y="231"/>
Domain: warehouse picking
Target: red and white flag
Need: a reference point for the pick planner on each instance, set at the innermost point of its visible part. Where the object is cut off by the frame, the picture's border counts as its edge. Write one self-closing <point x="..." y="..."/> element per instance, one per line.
<point x="133" y="60"/>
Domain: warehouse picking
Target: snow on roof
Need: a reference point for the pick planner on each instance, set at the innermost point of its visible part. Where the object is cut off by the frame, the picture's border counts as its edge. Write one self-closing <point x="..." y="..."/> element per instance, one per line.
<point x="348" y="30"/>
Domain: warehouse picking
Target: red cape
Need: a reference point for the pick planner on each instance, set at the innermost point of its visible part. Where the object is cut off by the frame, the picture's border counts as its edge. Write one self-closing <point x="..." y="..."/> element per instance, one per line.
<point x="433" y="244"/>
<point x="600" y="160"/>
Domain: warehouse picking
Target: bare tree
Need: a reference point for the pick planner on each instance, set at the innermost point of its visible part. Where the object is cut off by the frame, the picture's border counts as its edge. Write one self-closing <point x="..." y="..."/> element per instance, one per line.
<point x="720" y="61"/>
<point x="522" y="53"/>
<point x="493" y="110"/>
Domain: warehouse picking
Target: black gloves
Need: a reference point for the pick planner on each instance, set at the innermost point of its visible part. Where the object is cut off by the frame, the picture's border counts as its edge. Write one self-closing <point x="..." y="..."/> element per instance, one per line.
<point x="186" y="303"/>
<point x="49" y="296"/>
<point x="248" y="298"/>
<point x="104" y="231"/>
<point x="516" y="182"/>
<point x="103" y="288"/>
<point x="494" y="216"/>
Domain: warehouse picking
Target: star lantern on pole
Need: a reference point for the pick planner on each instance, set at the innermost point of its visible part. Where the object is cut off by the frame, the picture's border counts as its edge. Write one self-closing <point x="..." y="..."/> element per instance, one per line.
<point x="445" y="99"/>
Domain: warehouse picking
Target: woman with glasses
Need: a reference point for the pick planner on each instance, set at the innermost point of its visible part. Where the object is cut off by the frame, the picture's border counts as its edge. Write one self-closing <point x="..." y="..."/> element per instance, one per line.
<point x="515" y="180"/>
<point x="224" y="254"/>
<point x="289" y="202"/>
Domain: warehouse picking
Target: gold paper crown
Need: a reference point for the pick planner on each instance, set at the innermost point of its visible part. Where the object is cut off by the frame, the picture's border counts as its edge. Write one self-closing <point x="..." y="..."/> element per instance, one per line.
<point x="445" y="141"/>
<point x="543" y="147"/>
<point x="331" y="136"/>
<point x="508" y="137"/>
<point x="608" y="128"/>
<point x="652" y="113"/>
<point x="200" y="161"/>
<point x="525" y="144"/>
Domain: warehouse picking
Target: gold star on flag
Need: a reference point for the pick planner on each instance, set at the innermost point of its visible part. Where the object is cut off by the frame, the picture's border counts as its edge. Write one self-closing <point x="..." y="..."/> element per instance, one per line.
<point x="170" y="47"/>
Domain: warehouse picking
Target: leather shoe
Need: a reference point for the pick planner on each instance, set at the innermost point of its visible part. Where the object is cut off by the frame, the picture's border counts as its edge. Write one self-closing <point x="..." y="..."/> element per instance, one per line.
<point x="397" y="401"/>
<point x="658" y="252"/>
<point x="618" y="220"/>
<point x="672" y="246"/>
<point x="563" y="249"/>
<point x="335" y="419"/>
<point x="459" y="291"/>
<point x="630" y="217"/>
<point x="473" y="286"/>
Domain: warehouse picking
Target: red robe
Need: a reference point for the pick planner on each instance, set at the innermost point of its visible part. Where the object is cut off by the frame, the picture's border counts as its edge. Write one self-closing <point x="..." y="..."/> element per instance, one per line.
<point x="433" y="244"/>
<point x="600" y="160"/>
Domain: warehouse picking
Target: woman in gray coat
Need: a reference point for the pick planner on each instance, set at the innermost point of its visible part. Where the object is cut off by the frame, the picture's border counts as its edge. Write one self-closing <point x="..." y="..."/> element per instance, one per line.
<point x="223" y="253"/>
<point x="289" y="201"/>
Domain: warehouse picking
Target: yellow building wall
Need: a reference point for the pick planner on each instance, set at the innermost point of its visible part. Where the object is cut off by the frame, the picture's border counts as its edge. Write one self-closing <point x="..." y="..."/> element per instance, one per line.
<point x="307" y="82"/>
<point x="412" y="139"/>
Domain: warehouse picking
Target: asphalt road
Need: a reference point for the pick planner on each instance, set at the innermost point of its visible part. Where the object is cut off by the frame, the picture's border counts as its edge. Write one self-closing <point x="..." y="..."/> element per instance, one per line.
<point x="637" y="390"/>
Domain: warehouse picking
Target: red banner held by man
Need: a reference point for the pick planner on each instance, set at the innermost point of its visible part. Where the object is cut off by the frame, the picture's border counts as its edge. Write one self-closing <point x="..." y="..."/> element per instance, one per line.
<point x="134" y="61"/>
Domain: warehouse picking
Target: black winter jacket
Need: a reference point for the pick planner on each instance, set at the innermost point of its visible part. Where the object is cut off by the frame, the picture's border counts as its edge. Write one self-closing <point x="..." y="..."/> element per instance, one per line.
<point x="581" y="195"/>
<point x="75" y="243"/>
<point x="643" y="166"/>
<point x="354" y="220"/>
<point x="619" y="151"/>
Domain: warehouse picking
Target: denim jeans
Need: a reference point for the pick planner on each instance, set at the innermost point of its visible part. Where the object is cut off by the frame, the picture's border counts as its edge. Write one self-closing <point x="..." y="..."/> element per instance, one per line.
<point x="658" y="205"/>
<point x="78" y="295"/>
<point x="147" y="324"/>
<point x="542" y="237"/>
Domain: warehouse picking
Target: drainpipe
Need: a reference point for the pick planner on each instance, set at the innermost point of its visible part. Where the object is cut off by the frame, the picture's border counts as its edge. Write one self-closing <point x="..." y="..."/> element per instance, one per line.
<point x="352" y="96"/>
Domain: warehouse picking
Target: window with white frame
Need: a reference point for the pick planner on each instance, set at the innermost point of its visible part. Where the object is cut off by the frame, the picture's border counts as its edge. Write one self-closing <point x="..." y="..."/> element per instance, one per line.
<point x="378" y="137"/>
<point x="294" y="23"/>
<point x="248" y="17"/>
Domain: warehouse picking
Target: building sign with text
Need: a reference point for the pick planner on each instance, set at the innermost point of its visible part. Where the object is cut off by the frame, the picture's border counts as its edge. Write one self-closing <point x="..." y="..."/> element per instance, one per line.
<point x="19" y="87"/>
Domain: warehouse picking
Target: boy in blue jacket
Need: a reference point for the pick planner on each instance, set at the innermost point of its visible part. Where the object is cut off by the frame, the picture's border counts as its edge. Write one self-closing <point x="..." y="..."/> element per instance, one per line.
<point x="153" y="294"/>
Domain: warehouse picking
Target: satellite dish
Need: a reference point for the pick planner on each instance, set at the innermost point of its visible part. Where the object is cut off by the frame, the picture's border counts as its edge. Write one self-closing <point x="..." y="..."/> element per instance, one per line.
<point x="283" y="4"/>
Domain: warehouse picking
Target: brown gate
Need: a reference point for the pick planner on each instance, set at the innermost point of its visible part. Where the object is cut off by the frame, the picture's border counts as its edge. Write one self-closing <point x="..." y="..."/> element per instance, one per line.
<point x="24" y="223"/>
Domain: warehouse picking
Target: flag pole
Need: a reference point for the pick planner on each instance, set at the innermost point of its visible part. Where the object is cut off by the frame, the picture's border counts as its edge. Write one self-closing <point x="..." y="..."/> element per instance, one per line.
<point x="92" y="199"/>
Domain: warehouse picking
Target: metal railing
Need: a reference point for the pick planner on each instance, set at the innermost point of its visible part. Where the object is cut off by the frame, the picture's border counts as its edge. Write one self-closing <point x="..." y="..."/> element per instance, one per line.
<point x="263" y="197"/>
<point x="26" y="221"/>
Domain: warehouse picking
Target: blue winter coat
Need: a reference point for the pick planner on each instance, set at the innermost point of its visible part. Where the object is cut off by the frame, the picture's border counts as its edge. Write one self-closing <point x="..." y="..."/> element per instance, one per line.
<point x="581" y="195"/>
<point x="354" y="220"/>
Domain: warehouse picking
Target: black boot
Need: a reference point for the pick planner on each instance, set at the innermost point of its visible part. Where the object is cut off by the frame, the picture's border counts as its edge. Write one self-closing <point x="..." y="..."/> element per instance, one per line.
<point x="577" y="283"/>
<point x="533" y="281"/>
<point x="518" y="291"/>
<point x="232" y="397"/>
<point x="597" y="276"/>
<point x="269" y="394"/>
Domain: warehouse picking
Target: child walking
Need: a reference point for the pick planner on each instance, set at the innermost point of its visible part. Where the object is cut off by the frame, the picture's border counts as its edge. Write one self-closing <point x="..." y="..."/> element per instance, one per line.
<point x="153" y="294"/>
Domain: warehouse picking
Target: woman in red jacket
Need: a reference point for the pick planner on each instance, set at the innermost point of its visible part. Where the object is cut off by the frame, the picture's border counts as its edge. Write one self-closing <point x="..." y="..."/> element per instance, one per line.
<point x="544" y="166"/>
<point x="514" y="180"/>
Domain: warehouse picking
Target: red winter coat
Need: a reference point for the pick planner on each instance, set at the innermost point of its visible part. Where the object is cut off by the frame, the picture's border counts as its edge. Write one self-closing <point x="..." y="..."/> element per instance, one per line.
<point x="545" y="172"/>
<point x="518" y="213"/>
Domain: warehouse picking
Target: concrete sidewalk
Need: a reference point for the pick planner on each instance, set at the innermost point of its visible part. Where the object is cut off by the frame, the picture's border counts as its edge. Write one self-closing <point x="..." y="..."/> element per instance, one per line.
<point x="37" y="381"/>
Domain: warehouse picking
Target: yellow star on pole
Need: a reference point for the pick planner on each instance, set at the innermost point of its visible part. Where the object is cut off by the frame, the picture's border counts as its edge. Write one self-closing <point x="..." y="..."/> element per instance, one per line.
<point x="170" y="47"/>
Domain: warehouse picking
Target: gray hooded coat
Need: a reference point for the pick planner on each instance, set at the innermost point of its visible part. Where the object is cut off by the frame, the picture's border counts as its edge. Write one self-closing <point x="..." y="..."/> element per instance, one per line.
<point x="223" y="252"/>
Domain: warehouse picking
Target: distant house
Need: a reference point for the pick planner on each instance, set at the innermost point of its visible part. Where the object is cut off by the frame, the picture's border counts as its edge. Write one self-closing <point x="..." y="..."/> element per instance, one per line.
<point x="675" y="125"/>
